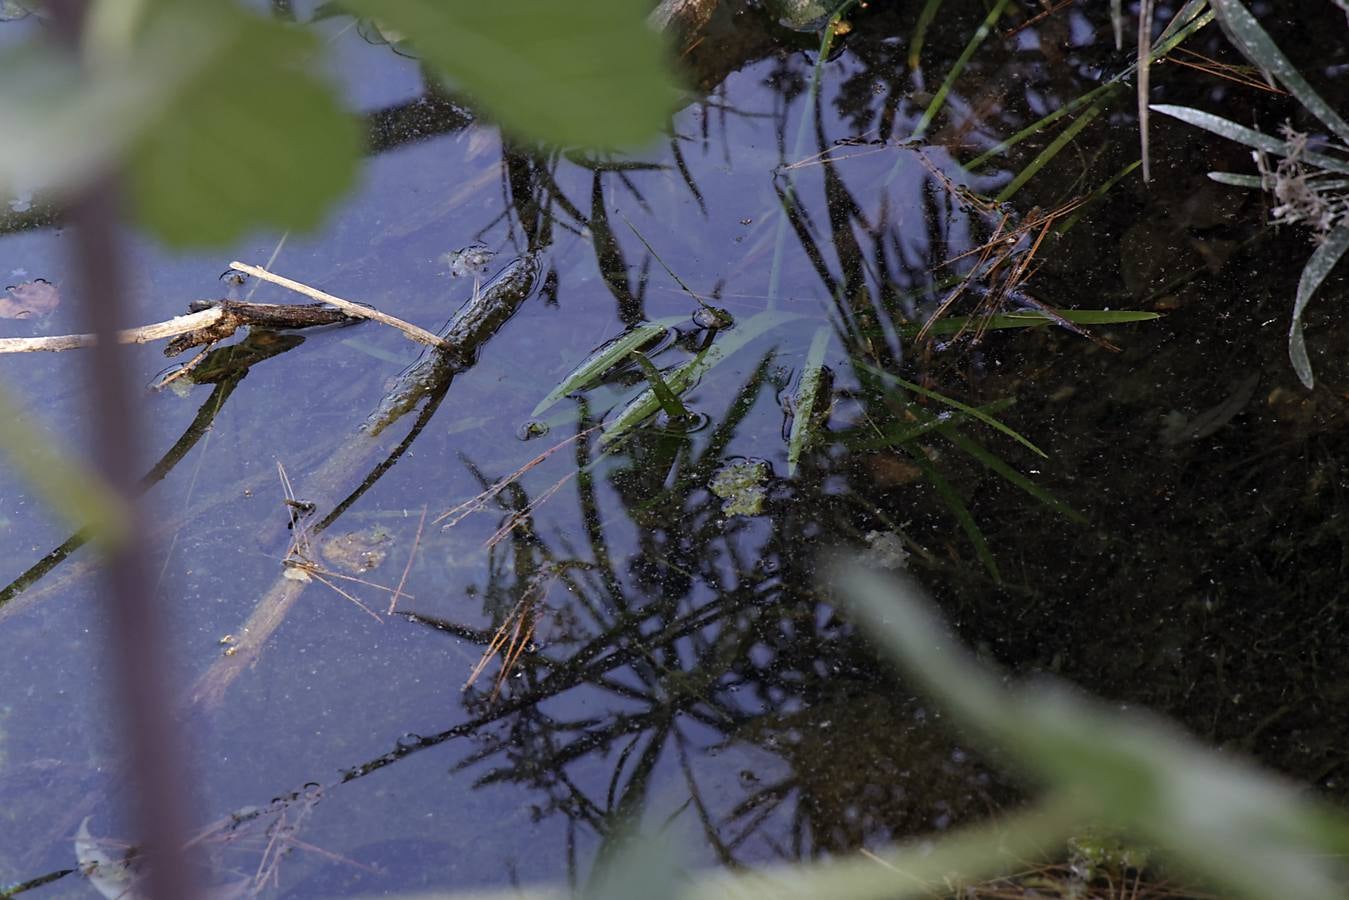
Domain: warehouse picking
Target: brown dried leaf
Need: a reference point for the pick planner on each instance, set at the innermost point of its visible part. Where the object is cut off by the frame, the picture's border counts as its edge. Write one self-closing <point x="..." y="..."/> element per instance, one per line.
<point x="30" y="300"/>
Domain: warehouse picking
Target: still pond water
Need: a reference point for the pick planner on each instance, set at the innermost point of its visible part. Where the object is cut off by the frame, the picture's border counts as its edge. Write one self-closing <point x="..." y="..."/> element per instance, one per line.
<point x="678" y="660"/>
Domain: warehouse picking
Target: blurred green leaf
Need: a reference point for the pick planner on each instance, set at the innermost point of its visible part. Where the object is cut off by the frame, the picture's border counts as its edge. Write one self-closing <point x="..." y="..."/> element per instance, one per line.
<point x="1226" y="821"/>
<point x="569" y="73"/>
<point x="209" y="108"/>
<point x="251" y="141"/>
<point x="72" y="491"/>
<point x="611" y="353"/>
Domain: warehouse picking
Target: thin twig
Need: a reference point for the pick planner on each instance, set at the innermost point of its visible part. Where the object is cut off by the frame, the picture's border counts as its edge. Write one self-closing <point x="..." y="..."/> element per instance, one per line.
<point x="143" y="335"/>
<point x="421" y="335"/>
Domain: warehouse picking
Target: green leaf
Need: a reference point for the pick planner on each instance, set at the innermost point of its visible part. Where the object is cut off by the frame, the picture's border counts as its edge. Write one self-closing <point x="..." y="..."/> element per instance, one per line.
<point x="805" y="424"/>
<point x="74" y="493"/>
<point x="684" y="376"/>
<point x="604" y="358"/>
<point x="1222" y="819"/>
<point x="1257" y="46"/>
<point x="589" y="73"/>
<point x="1313" y="273"/>
<point x="955" y="404"/>
<point x="1030" y="318"/>
<point x="251" y="141"/>
<point x="220" y="129"/>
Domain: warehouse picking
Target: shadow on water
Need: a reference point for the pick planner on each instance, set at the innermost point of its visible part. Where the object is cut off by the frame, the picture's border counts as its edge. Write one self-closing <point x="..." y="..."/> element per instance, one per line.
<point x="1164" y="525"/>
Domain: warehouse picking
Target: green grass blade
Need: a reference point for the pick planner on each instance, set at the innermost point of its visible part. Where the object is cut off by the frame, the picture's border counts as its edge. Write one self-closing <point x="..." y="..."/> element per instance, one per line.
<point x="925" y="18"/>
<point x="1313" y="273"/>
<point x="1237" y="180"/>
<point x="895" y="437"/>
<point x="958" y="509"/>
<point x="805" y="425"/>
<point x="955" y="404"/>
<point x="684" y="376"/>
<point x="939" y="100"/>
<point x="1257" y="46"/>
<point x="1033" y="319"/>
<point x="990" y="461"/>
<point x="604" y="358"/>
<point x="1051" y="151"/>
<point x="1041" y="124"/>
<point x="665" y="395"/>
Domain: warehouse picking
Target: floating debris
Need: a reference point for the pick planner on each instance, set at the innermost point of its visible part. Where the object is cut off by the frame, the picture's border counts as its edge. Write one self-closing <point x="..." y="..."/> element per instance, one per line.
<point x="742" y="485"/>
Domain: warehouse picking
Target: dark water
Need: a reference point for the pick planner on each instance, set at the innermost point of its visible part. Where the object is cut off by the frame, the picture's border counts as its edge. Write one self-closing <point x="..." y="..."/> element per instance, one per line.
<point x="685" y="669"/>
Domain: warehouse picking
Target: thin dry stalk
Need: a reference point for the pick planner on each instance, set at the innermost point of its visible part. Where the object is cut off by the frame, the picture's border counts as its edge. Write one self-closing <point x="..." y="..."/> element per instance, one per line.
<point x="143" y="335"/>
<point x="420" y="335"/>
<point x="475" y="504"/>
<point x="515" y="633"/>
<point x="412" y="554"/>
<point x="523" y="515"/>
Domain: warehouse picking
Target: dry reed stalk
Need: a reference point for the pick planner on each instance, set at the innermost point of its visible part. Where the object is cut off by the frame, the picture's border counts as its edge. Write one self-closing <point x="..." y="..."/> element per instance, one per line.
<point x="420" y="335"/>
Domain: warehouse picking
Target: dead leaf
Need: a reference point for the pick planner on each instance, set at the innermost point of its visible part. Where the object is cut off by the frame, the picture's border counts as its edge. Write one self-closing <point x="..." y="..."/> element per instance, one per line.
<point x="30" y="300"/>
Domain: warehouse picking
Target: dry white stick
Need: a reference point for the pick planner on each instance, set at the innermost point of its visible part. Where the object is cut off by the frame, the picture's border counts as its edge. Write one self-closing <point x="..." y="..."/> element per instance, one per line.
<point x="143" y="335"/>
<point x="421" y="335"/>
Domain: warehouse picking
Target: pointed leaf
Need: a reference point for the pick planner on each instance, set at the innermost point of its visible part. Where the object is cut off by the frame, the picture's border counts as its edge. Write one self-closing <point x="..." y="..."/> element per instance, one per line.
<point x="1313" y="273"/>
<point x="805" y="425"/>
<point x="1248" y="136"/>
<point x="604" y="358"/>
<point x="569" y="73"/>
<point x="1257" y="46"/>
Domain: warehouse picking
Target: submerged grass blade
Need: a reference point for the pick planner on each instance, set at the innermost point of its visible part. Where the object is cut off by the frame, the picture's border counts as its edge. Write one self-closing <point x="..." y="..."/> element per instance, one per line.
<point x="958" y="509"/>
<point x="665" y="395"/>
<point x="895" y="437"/>
<point x="1257" y="46"/>
<point x="805" y="424"/>
<point x="925" y="19"/>
<point x="608" y="355"/>
<point x="683" y="377"/>
<point x="990" y="461"/>
<point x="1100" y="191"/>
<point x="954" y="404"/>
<point x="1043" y="158"/>
<point x="1313" y="273"/>
<point x="939" y="100"/>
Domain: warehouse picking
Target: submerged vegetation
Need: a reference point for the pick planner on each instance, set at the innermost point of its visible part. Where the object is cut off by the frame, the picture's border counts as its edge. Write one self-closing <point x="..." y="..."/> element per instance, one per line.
<point x="889" y="288"/>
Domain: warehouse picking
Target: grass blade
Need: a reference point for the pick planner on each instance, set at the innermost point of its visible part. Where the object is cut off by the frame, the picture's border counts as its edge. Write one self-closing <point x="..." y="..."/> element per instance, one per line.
<point x="665" y="395"/>
<point x="684" y="376"/>
<point x="1257" y="46"/>
<point x="958" y="509"/>
<point x="925" y="19"/>
<point x="996" y="465"/>
<point x="1030" y="318"/>
<point x="1313" y="273"/>
<point x="1248" y="136"/>
<point x="1237" y="180"/>
<point x="604" y="358"/>
<point x="1051" y="151"/>
<point x="805" y="424"/>
<point x="939" y="100"/>
<point x="955" y="404"/>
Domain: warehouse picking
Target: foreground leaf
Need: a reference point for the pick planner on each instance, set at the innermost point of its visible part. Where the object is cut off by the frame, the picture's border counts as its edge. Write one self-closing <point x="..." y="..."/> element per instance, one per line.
<point x="586" y="73"/>
<point x="1226" y="821"/>
<point x="207" y="105"/>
